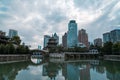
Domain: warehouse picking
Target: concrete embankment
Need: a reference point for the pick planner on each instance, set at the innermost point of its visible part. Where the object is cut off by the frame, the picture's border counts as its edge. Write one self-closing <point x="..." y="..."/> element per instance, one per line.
<point x="13" y="58"/>
<point x="112" y="57"/>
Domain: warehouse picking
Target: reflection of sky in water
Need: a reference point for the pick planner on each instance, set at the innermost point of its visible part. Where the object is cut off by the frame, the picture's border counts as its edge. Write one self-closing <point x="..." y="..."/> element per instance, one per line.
<point x="97" y="76"/>
<point x="35" y="73"/>
<point x="35" y="60"/>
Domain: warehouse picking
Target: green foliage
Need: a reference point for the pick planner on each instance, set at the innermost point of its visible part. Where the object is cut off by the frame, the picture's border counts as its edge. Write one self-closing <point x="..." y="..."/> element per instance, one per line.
<point x="111" y="49"/>
<point x="116" y="48"/>
<point x="16" y="40"/>
<point x="107" y="49"/>
<point x="22" y="49"/>
<point x="10" y="49"/>
<point x="77" y="49"/>
<point x="2" y="49"/>
<point x="59" y="49"/>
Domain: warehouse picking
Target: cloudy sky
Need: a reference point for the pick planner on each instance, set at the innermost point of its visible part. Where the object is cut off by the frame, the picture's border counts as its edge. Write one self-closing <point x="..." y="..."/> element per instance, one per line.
<point x="35" y="18"/>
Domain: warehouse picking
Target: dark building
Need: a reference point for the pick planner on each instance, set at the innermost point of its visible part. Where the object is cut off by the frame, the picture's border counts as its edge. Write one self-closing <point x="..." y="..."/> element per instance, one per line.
<point x="64" y="40"/>
<point x="52" y="43"/>
<point x="83" y="37"/>
<point x="56" y="37"/>
<point x="98" y="42"/>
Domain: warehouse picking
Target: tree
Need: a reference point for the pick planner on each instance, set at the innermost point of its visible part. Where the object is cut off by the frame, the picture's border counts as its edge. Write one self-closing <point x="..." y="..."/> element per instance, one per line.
<point x="116" y="48"/>
<point x="2" y="49"/>
<point x="107" y="49"/>
<point x="16" y="40"/>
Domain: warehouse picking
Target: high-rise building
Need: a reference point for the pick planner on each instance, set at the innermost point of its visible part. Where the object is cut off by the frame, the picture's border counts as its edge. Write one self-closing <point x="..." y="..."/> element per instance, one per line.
<point x="39" y="47"/>
<point x="83" y="37"/>
<point x="12" y="33"/>
<point x="55" y="36"/>
<point x="115" y="35"/>
<point x="46" y="39"/>
<point x="64" y="40"/>
<point x="112" y="36"/>
<point x="98" y="42"/>
<point x="72" y="34"/>
<point x="106" y="37"/>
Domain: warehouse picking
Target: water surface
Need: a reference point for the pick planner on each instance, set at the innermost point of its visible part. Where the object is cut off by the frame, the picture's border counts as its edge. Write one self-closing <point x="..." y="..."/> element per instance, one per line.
<point x="58" y="69"/>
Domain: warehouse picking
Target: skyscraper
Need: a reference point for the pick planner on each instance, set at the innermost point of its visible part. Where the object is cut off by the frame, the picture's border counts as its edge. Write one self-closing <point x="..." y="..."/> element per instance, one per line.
<point x="64" y="40"/>
<point x="112" y="36"/>
<point x="12" y="33"/>
<point x="98" y="42"/>
<point x="115" y="35"/>
<point x="106" y="37"/>
<point x="46" y="39"/>
<point x="83" y="37"/>
<point x="55" y="36"/>
<point x="72" y="34"/>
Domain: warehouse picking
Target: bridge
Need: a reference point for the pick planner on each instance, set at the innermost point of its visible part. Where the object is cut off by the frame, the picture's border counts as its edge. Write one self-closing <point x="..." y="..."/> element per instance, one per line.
<point x="36" y="53"/>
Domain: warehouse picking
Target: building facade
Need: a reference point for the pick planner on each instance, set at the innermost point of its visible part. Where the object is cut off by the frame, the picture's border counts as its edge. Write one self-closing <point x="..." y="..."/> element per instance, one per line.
<point x="98" y="42"/>
<point x="106" y="37"/>
<point x="83" y="37"/>
<point x="46" y="39"/>
<point x="112" y="36"/>
<point x="115" y="35"/>
<point x="64" y="40"/>
<point x="12" y="33"/>
<point x="72" y="34"/>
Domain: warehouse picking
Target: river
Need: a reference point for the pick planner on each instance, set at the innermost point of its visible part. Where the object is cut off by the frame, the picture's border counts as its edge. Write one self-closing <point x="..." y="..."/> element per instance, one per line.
<point x="59" y="69"/>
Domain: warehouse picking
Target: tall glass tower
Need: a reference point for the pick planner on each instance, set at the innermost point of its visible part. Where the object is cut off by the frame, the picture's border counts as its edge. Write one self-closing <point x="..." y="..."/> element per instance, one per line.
<point x="12" y="33"/>
<point x="72" y="34"/>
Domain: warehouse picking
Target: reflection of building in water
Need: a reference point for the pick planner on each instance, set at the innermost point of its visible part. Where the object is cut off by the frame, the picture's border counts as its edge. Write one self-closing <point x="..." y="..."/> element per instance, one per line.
<point x="100" y="69"/>
<point x="113" y="76"/>
<point x="85" y="73"/>
<point x="44" y="71"/>
<point x="50" y="70"/>
<point x="64" y="71"/>
<point x="72" y="72"/>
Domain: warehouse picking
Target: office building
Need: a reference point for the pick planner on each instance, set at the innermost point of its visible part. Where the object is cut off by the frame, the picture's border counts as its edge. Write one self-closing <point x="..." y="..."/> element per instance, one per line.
<point x="112" y="36"/>
<point x="83" y="37"/>
<point x="115" y="35"/>
<point x="106" y="37"/>
<point x="64" y="40"/>
<point x="39" y="47"/>
<point x="46" y="39"/>
<point x="72" y="34"/>
<point x="12" y="33"/>
<point x="98" y="42"/>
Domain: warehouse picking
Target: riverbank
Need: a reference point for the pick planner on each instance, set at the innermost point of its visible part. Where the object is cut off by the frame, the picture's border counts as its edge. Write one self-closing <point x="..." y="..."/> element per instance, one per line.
<point x="112" y="57"/>
<point x="8" y="58"/>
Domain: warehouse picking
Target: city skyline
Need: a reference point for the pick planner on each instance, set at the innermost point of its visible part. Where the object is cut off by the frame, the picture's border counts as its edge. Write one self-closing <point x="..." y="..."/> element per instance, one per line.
<point x="36" y="18"/>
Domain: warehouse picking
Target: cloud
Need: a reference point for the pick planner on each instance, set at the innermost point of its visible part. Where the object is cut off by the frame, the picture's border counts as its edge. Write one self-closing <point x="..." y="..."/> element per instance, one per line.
<point x="35" y="18"/>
